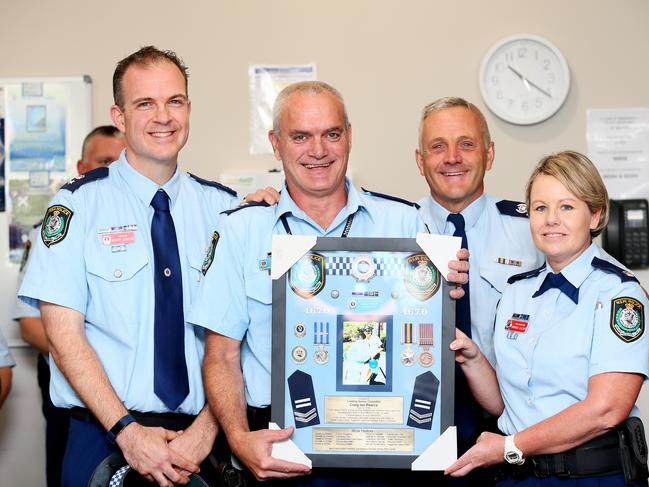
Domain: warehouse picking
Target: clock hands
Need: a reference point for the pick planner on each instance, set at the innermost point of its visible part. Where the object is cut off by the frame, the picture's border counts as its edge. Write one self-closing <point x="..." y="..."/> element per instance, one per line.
<point x="528" y="82"/>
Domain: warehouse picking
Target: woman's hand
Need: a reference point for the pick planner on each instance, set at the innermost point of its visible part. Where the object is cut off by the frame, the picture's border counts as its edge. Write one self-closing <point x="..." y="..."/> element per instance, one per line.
<point x="488" y="450"/>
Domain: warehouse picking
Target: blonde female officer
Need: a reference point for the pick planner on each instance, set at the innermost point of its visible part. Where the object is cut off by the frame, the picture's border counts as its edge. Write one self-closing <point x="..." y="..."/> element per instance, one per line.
<point x="571" y="349"/>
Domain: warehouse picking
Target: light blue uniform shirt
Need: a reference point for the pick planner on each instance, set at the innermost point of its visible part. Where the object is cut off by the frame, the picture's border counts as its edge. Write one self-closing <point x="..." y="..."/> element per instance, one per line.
<point x="113" y="285"/>
<point x="546" y="368"/>
<point x="21" y="308"/>
<point x="234" y="298"/>
<point x="500" y="245"/>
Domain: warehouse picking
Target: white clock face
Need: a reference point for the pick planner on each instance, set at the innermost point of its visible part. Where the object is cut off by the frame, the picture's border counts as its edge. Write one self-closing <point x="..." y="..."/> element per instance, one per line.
<point x="524" y="79"/>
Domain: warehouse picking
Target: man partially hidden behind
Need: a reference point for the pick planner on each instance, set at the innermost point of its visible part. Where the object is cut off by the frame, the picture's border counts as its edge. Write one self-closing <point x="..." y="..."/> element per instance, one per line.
<point x="312" y="137"/>
<point x="118" y="260"/>
<point x="100" y="147"/>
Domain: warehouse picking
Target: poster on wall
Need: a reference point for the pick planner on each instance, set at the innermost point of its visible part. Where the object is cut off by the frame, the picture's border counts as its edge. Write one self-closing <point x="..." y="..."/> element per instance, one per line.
<point x="45" y="121"/>
<point x="266" y="81"/>
<point x="618" y="144"/>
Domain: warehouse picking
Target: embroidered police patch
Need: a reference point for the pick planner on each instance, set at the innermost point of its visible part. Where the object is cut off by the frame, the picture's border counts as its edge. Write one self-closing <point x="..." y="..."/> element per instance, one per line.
<point x="55" y="224"/>
<point x="209" y="257"/>
<point x="627" y="318"/>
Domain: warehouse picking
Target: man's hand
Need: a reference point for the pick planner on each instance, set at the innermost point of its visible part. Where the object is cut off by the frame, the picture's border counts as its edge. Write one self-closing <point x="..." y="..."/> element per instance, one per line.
<point x="268" y="194"/>
<point x="488" y="450"/>
<point x="193" y="445"/>
<point x="147" y="451"/>
<point x="459" y="273"/>
<point x="254" y="450"/>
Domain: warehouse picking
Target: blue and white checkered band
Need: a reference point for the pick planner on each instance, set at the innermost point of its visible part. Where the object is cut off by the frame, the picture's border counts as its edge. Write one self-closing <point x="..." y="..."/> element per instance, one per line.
<point x="385" y="266"/>
<point x="117" y="479"/>
<point x="321" y="333"/>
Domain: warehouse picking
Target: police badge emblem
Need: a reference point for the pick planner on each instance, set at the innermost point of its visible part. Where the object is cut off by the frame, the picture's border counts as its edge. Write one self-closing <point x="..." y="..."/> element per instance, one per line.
<point x="363" y="268"/>
<point x="421" y="277"/>
<point x="307" y="276"/>
<point x="209" y="256"/>
<point x="55" y="224"/>
<point x="627" y="318"/>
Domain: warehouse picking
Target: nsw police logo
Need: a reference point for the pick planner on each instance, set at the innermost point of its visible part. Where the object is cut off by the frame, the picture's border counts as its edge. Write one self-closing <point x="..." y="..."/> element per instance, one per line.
<point x="209" y="256"/>
<point x="627" y="318"/>
<point x="421" y="277"/>
<point x="55" y="224"/>
<point x="307" y="276"/>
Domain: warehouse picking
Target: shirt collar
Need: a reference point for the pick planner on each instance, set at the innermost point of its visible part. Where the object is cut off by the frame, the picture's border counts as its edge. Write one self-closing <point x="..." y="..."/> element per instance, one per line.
<point x="142" y="186"/>
<point x="355" y="201"/>
<point x="439" y="214"/>
<point x="579" y="269"/>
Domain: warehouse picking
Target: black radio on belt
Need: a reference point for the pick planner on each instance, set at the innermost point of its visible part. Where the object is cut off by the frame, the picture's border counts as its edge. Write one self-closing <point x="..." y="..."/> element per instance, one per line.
<point x="626" y="237"/>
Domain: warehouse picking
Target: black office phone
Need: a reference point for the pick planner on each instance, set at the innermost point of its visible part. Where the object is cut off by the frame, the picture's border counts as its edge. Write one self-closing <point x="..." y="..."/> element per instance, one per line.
<point x="626" y="237"/>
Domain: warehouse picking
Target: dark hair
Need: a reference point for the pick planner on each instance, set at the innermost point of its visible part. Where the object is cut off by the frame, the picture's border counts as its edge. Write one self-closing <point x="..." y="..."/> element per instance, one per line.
<point x="104" y="130"/>
<point x="147" y="55"/>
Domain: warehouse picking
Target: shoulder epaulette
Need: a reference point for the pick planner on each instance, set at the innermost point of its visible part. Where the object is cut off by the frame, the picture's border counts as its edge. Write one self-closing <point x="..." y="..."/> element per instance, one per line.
<point x="247" y="205"/>
<point x="525" y="275"/>
<point x="607" y="266"/>
<point x="391" y="198"/>
<point x="512" y="208"/>
<point x="212" y="184"/>
<point x="95" y="175"/>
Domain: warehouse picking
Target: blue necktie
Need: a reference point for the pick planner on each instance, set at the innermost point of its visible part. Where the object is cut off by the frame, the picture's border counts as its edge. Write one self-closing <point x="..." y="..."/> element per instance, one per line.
<point x="170" y="381"/>
<point x="468" y="415"/>
<point x="463" y="306"/>
<point x="561" y="283"/>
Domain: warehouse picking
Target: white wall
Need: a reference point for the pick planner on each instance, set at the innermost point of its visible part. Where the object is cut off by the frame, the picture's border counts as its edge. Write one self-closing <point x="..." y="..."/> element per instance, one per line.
<point x="387" y="59"/>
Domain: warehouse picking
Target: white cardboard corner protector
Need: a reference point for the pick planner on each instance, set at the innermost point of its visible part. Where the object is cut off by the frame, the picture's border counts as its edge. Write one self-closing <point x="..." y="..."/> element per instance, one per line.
<point x="441" y="249"/>
<point x="287" y="250"/>
<point x="440" y="454"/>
<point x="287" y="450"/>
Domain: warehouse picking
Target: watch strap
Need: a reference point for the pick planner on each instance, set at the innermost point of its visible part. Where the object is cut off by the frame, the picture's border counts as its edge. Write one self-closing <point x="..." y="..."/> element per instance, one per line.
<point x="117" y="428"/>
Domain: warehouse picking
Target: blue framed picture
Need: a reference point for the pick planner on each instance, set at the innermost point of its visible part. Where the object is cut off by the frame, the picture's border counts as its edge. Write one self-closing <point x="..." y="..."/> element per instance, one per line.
<point x="361" y="365"/>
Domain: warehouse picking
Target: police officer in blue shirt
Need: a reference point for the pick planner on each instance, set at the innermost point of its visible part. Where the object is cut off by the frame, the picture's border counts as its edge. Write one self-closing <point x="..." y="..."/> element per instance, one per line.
<point x="312" y="138"/>
<point x="100" y="148"/>
<point x="571" y="348"/>
<point x="455" y="150"/>
<point x="118" y="261"/>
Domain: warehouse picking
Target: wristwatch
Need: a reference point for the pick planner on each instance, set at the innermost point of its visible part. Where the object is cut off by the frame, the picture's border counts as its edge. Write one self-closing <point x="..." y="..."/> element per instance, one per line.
<point x="513" y="455"/>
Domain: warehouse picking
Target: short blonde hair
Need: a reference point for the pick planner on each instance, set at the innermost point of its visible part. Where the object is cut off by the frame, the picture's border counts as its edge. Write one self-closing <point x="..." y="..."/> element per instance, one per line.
<point x="580" y="176"/>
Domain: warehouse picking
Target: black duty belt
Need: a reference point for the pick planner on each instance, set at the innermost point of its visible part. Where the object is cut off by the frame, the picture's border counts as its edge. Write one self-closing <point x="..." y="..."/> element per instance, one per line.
<point x="597" y="457"/>
<point x="170" y="421"/>
<point x="258" y="418"/>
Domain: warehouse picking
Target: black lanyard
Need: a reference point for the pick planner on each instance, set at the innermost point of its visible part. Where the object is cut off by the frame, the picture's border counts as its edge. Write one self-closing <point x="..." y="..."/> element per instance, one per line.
<point x="348" y="225"/>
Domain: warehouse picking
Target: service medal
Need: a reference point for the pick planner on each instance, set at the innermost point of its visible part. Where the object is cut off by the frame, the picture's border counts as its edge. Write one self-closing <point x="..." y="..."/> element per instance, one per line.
<point x="298" y="354"/>
<point x="426" y="358"/>
<point x="321" y="340"/>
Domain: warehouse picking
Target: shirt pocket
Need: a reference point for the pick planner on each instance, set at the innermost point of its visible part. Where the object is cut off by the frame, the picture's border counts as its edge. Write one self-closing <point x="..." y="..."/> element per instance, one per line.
<point x="497" y="274"/>
<point x="116" y="267"/>
<point x="259" y="287"/>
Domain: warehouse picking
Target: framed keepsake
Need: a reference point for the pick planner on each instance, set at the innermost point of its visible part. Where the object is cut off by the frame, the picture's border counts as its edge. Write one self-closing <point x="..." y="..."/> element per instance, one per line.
<point x="361" y="363"/>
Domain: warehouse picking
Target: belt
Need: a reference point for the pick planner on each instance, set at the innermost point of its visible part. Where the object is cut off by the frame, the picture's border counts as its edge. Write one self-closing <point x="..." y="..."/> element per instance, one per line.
<point x="597" y="457"/>
<point x="258" y="418"/>
<point x="171" y="421"/>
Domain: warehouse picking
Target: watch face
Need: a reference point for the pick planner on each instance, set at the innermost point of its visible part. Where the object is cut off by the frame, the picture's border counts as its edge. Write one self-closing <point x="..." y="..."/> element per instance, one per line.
<point x="524" y="79"/>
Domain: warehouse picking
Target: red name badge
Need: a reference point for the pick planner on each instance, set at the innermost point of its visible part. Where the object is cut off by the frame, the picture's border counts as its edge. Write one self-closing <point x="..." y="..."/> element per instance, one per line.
<point x="518" y="323"/>
<point x="118" y="238"/>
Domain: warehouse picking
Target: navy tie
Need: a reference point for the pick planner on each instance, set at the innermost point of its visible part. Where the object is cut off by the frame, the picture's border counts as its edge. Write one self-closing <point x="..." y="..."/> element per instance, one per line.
<point x="463" y="307"/>
<point x="560" y="282"/>
<point x="468" y="415"/>
<point x="170" y="381"/>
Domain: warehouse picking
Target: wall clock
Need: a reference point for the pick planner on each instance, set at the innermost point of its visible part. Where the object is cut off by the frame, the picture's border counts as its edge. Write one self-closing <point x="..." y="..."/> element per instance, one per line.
<point x="524" y="79"/>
